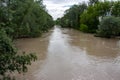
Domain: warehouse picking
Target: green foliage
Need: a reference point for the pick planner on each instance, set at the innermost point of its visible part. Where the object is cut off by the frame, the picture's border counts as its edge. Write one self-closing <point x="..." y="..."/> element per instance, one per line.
<point x="57" y="22"/>
<point x="109" y="27"/>
<point x="92" y="2"/>
<point x="71" y="18"/>
<point x="83" y="28"/>
<point x="26" y="18"/>
<point x="91" y="16"/>
<point x="20" y="18"/>
<point x="116" y="9"/>
<point x="9" y="60"/>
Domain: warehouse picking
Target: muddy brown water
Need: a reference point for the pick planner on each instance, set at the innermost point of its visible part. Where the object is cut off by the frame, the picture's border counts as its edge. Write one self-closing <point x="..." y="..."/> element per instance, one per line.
<point x="67" y="54"/>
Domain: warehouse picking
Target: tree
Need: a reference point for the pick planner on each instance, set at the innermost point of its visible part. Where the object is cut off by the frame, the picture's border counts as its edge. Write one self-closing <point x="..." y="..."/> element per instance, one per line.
<point x="20" y="18"/>
<point x="71" y="18"/>
<point x="92" y="2"/>
<point x="90" y="17"/>
<point x="110" y="26"/>
<point x="26" y="18"/>
<point x="10" y="61"/>
<point x="116" y="9"/>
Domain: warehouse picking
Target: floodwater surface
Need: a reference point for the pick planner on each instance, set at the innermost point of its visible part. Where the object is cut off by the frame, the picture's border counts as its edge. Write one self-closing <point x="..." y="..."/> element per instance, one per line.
<point x="67" y="54"/>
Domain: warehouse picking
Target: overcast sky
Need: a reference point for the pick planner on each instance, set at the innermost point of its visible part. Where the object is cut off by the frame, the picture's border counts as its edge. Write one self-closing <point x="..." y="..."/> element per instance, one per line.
<point x="57" y="7"/>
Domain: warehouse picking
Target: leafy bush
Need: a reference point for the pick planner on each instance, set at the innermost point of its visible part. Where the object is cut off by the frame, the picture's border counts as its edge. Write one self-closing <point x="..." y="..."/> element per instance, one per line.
<point x="92" y="13"/>
<point x="109" y="26"/>
<point x="116" y="8"/>
<point x="9" y="60"/>
<point x="83" y="28"/>
<point x="24" y="18"/>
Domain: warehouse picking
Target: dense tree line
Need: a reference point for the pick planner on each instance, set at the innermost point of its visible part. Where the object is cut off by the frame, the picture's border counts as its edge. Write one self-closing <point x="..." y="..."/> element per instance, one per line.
<point x="88" y="17"/>
<point x="72" y="16"/>
<point x="24" y="18"/>
<point x="18" y="19"/>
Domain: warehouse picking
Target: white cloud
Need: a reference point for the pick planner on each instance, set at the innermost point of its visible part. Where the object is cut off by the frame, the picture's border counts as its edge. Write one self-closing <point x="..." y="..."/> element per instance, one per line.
<point x="56" y="8"/>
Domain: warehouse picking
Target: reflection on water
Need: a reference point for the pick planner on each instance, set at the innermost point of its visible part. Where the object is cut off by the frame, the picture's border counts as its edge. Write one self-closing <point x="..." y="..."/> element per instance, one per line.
<point x="70" y="55"/>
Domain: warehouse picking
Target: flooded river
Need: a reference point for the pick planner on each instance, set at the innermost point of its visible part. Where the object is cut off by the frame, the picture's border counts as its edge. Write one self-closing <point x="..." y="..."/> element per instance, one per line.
<point x="67" y="54"/>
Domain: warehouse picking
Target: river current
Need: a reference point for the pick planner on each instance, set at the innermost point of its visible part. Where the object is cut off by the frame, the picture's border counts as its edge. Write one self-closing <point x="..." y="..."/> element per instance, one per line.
<point x="67" y="54"/>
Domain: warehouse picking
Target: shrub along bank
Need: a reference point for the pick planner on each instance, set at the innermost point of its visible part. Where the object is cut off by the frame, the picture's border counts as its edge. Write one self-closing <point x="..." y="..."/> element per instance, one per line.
<point x="18" y="19"/>
<point x="89" y="17"/>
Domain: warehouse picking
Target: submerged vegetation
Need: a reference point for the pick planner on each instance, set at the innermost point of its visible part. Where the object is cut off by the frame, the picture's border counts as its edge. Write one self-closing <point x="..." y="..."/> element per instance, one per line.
<point x="87" y="17"/>
<point x="18" y="19"/>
